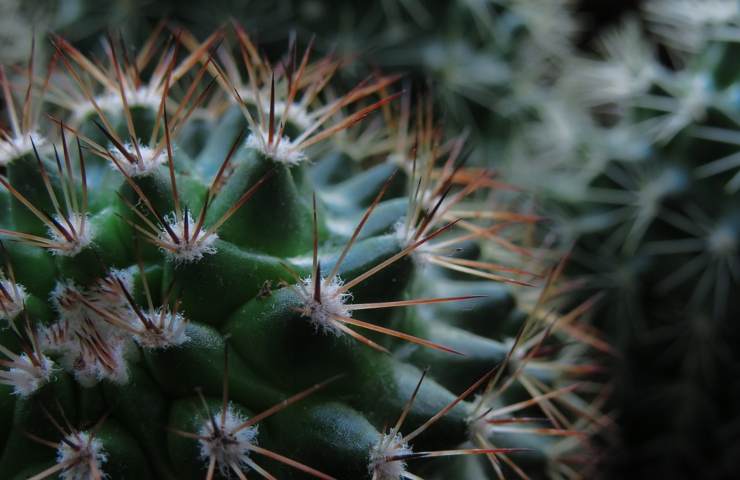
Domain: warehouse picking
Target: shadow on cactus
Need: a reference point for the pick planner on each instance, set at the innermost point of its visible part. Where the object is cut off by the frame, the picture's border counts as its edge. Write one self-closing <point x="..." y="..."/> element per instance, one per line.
<point x="194" y="199"/>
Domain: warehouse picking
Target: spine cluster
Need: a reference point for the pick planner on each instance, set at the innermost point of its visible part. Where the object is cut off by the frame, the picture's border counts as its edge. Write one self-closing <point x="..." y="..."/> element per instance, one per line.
<point x="216" y="265"/>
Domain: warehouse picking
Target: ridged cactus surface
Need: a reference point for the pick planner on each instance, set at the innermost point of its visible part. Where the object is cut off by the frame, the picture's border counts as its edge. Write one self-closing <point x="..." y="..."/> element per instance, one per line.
<point x="217" y="266"/>
<point x="630" y="149"/>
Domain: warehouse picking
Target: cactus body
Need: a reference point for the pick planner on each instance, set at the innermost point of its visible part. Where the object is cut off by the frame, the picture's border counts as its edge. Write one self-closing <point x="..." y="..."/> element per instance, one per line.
<point x="201" y="282"/>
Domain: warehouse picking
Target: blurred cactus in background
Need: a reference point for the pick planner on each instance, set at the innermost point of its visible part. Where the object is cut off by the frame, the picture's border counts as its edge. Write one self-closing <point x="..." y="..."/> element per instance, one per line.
<point x="657" y="229"/>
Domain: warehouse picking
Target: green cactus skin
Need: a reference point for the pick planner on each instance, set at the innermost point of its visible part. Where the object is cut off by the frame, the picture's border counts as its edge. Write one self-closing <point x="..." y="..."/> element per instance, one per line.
<point x="135" y="268"/>
<point x="638" y="138"/>
<point x="635" y="154"/>
<point x="635" y="148"/>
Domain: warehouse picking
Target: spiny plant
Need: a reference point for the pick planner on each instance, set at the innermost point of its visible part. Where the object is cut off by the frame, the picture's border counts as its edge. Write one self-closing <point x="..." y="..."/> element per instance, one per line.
<point x="634" y="149"/>
<point x="635" y="145"/>
<point x="162" y="208"/>
<point x="647" y="189"/>
<point x="485" y="59"/>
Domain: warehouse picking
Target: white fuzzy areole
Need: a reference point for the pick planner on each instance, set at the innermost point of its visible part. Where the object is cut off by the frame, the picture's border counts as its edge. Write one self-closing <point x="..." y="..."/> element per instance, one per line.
<point x="144" y="96"/>
<point x="297" y="113"/>
<point x="189" y="249"/>
<point x="145" y="165"/>
<point x="402" y="232"/>
<point x="62" y="298"/>
<point x="106" y="292"/>
<point x="332" y="303"/>
<point x="79" y="360"/>
<point x="14" y="303"/>
<point x="390" y="444"/>
<point x="15" y="147"/>
<point x="81" y="237"/>
<point x="226" y="447"/>
<point x="79" y="460"/>
<point x="78" y="325"/>
<point x="87" y="368"/>
<point x="170" y="334"/>
<point x="284" y="151"/>
<point x="25" y="377"/>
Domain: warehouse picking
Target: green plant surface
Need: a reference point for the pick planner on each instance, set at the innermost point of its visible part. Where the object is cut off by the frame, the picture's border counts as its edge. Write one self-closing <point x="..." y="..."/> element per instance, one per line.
<point x="212" y="268"/>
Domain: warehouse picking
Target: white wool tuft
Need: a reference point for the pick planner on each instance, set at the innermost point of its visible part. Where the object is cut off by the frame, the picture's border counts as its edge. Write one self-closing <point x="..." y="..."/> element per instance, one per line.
<point x="90" y="451"/>
<point x="145" y="165"/>
<point x="25" y="377"/>
<point x="332" y="303"/>
<point x="389" y="445"/>
<point x="226" y="447"/>
<point x="283" y="151"/>
<point x="81" y="237"/>
<point x="189" y="249"/>
<point x="169" y="331"/>
<point x="12" y="304"/>
<point x="143" y="96"/>
<point x="90" y="347"/>
<point x="15" y="147"/>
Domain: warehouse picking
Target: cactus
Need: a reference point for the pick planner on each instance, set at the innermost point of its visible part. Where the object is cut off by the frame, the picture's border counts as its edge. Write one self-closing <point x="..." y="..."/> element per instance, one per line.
<point x="212" y="267"/>
<point x="644" y="182"/>
<point x="634" y="142"/>
<point x="634" y="148"/>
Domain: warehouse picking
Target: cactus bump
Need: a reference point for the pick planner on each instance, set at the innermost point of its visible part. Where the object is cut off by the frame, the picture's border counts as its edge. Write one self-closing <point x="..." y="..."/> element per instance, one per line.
<point x="215" y="265"/>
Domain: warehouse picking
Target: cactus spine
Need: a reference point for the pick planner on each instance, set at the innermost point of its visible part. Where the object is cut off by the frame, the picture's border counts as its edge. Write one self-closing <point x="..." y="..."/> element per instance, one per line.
<point x="200" y="280"/>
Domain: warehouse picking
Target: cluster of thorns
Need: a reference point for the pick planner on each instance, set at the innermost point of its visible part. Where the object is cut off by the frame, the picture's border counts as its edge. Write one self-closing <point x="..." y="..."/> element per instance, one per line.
<point x="271" y="97"/>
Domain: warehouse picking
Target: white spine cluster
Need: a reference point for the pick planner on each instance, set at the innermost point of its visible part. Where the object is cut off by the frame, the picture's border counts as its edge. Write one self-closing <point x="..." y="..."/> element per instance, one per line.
<point x="17" y="146"/>
<point x="550" y="23"/>
<point x="144" y="96"/>
<point x="106" y="292"/>
<point x="221" y="443"/>
<point x="333" y="303"/>
<point x="688" y="24"/>
<point x="190" y="248"/>
<point x="83" y="454"/>
<point x="389" y="445"/>
<point x="81" y="232"/>
<point x="282" y="150"/>
<point x="169" y="330"/>
<point x="25" y="376"/>
<point x="297" y="113"/>
<point x="692" y="93"/>
<point x="12" y="299"/>
<point x="62" y="299"/>
<point x="147" y="159"/>
<point x="90" y="347"/>
<point x="97" y="326"/>
<point x="627" y="70"/>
